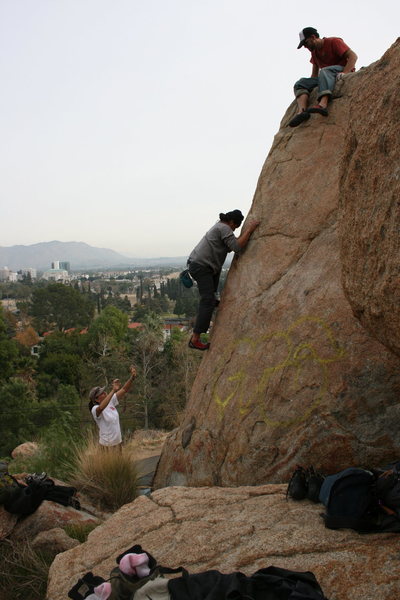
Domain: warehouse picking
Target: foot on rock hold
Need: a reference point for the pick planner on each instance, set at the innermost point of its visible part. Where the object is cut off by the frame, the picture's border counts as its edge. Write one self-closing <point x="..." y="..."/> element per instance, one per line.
<point x="318" y="109"/>
<point x="198" y="345"/>
<point x="299" y="118"/>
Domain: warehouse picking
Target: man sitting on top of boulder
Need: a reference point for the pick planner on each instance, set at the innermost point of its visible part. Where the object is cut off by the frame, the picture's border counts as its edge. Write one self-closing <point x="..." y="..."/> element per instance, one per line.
<point x="331" y="58"/>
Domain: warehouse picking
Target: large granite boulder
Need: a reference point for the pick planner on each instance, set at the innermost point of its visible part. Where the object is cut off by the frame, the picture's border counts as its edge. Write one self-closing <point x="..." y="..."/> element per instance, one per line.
<point x="292" y="376"/>
<point x="232" y="529"/>
<point x="370" y="202"/>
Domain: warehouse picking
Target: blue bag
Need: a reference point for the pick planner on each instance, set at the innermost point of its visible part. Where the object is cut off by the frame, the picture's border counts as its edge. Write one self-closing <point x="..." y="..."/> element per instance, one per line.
<point x="185" y="278"/>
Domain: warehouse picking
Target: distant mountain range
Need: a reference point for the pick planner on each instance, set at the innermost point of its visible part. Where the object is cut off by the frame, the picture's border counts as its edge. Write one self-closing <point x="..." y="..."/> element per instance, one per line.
<point x="78" y="254"/>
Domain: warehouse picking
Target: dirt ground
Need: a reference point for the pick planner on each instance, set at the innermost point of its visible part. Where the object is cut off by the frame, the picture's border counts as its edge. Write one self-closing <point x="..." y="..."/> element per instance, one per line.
<point x="147" y="443"/>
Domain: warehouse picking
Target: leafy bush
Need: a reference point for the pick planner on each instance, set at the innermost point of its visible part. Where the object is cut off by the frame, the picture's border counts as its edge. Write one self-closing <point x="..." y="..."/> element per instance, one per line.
<point x="57" y="444"/>
<point x="17" y="401"/>
<point x="54" y="457"/>
<point x="107" y="476"/>
<point x="23" y="571"/>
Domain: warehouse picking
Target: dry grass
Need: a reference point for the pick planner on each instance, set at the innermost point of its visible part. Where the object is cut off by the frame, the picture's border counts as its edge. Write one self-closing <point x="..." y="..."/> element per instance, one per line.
<point x="23" y="571"/>
<point x="149" y="437"/>
<point x="107" y="476"/>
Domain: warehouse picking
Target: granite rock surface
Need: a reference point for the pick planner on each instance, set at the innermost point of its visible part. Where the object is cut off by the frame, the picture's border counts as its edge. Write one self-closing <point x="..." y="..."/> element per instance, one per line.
<point x="297" y="372"/>
<point x="237" y="529"/>
<point x="370" y="202"/>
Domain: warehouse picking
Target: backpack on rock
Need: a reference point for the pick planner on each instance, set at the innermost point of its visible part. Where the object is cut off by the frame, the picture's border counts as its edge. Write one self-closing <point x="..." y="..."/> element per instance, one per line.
<point x="388" y="487"/>
<point x="351" y="501"/>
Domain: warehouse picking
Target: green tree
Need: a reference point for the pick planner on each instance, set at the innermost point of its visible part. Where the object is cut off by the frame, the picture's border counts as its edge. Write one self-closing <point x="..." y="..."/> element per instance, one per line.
<point x="147" y="351"/>
<point x="60" y="306"/>
<point x="9" y="350"/>
<point x="187" y="303"/>
<point x="116" y="300"/>
<point x="16" y="414"/>
<point x="108" y="331"/>
<point x="58" y="368"/>
<point x="60" y="342"/>
<point x="149" y="306"/>
<point x="175" y="379"/>
<point x="60" y="361"/>
<point x="16" y="290"/>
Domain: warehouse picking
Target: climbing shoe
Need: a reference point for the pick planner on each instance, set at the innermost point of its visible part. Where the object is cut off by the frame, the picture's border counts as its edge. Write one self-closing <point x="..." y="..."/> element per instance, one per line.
<point x="318" y="109"/>
<point x="198" y="345"/>
<point x="299" y="118"/>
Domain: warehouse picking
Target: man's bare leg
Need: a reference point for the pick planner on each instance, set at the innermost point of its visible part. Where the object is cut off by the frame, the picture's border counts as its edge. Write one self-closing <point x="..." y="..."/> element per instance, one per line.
<point x="323" y="101"/>
<point x="302" y="102"/>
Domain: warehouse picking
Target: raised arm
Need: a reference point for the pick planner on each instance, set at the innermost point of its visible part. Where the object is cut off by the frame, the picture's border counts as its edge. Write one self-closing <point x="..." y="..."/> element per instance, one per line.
<point x="244" y="237"/>
<point x="106" y="400"/>
<point x="121" y="391"/>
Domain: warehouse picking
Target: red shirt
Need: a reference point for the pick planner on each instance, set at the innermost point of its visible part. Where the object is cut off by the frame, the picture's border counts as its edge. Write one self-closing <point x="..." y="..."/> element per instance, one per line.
<point x="330" y="54"/>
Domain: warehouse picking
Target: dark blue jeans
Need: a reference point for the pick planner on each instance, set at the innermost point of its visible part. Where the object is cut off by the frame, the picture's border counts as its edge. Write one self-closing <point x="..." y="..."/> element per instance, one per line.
<point x="207" y="282"/>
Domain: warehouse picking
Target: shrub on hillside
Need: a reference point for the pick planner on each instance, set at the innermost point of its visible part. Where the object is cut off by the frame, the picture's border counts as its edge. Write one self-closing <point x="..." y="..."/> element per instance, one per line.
<point x="56" y="451"/>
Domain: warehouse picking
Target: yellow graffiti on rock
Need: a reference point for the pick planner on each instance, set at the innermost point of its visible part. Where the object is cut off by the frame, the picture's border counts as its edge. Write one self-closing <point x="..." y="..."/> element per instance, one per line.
<point x="293" y="357"/>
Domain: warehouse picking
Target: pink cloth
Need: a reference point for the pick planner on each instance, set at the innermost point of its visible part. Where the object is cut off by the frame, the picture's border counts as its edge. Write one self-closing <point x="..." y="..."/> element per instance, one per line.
<point x="101" y="592"/>
<point x="135" y="564"/>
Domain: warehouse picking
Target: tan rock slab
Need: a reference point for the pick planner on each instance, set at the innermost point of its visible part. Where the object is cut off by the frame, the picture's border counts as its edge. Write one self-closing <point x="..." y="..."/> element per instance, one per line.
<point x="232" y="529"/>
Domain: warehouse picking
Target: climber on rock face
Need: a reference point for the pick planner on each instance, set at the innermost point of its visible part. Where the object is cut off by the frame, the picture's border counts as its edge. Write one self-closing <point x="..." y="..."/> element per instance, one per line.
<point x="205" y="264"/>
<point x="331" y="58"/>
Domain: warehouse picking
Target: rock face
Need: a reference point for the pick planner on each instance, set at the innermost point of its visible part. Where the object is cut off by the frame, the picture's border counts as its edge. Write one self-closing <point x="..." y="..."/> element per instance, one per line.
<point x="292" y="376"/>
<point x="232" y="529"/>
<point x="370" y="203"/>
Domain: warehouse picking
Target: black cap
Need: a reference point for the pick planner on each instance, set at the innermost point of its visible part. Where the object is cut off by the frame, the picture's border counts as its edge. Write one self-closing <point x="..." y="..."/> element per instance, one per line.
<point x="306" y="33"/>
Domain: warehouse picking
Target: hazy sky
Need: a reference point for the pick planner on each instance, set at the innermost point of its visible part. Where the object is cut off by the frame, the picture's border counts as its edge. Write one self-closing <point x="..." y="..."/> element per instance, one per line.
<point x="131" y="124"/>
